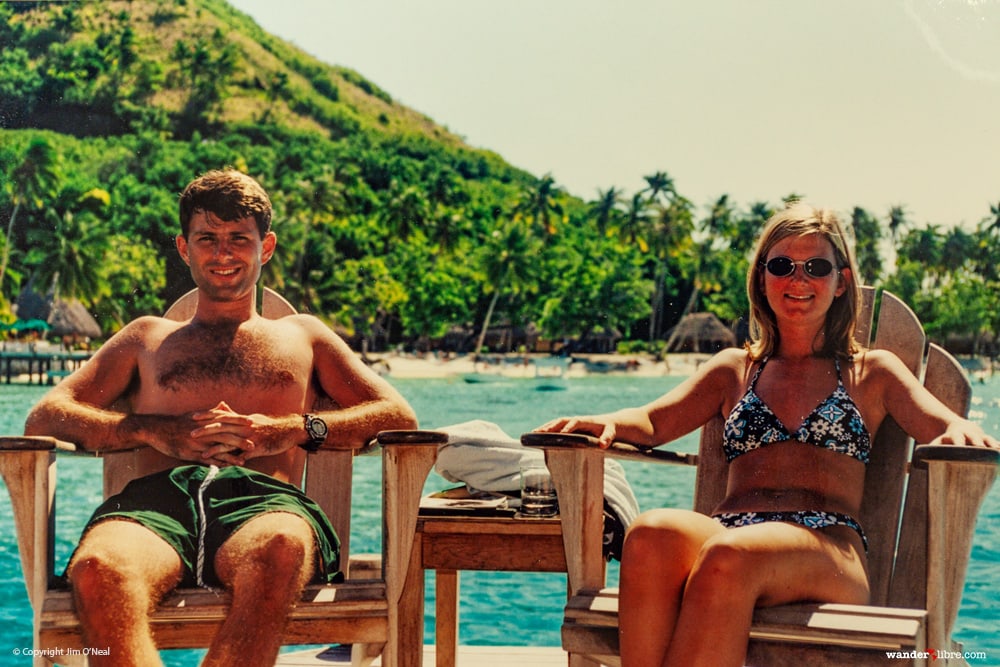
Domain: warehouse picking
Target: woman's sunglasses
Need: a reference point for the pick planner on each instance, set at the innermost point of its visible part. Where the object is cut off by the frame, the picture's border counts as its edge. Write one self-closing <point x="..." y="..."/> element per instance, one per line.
<point x="782" y="266"/>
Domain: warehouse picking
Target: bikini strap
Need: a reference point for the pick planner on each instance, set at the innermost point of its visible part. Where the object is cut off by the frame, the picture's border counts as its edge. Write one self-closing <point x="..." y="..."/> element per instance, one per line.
<point x="756" y="376"/>
<point x="840" y="378"/>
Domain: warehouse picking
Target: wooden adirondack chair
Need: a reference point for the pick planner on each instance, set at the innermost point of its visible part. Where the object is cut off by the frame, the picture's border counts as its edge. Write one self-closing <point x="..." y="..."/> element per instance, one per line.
<point x="361" y="611"/>
<point x="919" y="511"/>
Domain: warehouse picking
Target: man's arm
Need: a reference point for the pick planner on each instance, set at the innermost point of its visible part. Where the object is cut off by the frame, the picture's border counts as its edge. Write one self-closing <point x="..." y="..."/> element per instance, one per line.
<point x="79" y="408"/>
<point x="367" y="403"/>
<point x="87" y="407"/>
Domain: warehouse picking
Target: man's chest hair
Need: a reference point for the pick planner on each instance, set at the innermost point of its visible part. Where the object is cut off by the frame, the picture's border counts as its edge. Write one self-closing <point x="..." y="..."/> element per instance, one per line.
<point x="252" y="357"/>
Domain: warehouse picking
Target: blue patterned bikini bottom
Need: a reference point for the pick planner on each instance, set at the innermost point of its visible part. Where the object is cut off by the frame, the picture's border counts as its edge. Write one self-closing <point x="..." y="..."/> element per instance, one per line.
<point x="815" y="519"/>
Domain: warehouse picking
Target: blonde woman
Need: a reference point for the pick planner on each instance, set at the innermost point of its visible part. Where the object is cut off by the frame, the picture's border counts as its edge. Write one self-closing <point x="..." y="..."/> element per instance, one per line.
<point x="801" y="404"/>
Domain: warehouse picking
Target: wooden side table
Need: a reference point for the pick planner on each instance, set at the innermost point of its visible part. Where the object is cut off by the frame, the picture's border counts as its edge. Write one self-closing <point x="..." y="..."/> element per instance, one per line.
<point x="448" y="544"/>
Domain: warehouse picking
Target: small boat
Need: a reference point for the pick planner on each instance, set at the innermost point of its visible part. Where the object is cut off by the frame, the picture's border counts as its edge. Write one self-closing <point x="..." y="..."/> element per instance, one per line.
<point x="484" y="378"/>
<point x="550" y="374"/>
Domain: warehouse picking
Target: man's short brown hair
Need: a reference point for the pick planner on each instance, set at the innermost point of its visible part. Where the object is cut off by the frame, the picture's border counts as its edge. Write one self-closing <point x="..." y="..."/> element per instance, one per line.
<point x="229" y="195"/>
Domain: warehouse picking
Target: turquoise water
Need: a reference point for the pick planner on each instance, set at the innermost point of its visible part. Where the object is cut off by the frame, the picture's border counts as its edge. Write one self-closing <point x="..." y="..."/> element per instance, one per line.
<point x="496" y="608"/>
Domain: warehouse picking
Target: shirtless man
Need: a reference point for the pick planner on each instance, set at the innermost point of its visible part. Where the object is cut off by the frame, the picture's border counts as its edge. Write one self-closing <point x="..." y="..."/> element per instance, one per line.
<point x="220" y="405"/>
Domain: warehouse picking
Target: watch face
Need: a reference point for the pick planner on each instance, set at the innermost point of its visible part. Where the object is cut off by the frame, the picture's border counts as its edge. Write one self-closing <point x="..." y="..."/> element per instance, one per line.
<point x="317" y="427"/>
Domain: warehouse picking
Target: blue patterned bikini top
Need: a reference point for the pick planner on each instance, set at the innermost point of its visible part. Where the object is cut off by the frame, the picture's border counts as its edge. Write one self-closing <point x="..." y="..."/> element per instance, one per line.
<point x="835" y="424"/>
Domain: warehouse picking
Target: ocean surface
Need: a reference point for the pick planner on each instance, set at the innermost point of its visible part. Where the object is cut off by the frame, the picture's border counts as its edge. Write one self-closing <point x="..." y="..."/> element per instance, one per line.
<point x="495" y="608"/>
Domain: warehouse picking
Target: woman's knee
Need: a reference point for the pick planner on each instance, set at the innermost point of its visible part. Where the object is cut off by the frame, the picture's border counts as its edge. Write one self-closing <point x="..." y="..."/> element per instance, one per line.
<point x="674" y="534"/>
<point x="723" y="558"/>
<point x="726" y="563"/>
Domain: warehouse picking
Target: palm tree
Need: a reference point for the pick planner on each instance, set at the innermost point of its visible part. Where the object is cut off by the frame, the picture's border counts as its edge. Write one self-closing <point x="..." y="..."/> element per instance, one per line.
<point x="671" y="239"/>
<point x="635" y="223"/>
<point x="994" y="226"/>
<point x="406" y="212"/>
<point x="923" y="247"/>
<point x="658" y="184"/>
<point x="322" y="196"/>
<point x="748" y="227"/>
<point x="719" y="222"/>
<point x="867" y="235"/>
<point x="605" y="209"/>
<point x="540" y="203"/>
<point x="31" y="182"/>
<point x="510" y="260"/>
<point x="63" y="256"/>
<point x="897" y="221"/>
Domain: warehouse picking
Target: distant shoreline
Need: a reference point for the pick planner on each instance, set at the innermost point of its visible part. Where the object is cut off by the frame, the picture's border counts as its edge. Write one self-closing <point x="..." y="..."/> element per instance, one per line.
<point x="443" y="366"/>
<point x="431" y="365"/>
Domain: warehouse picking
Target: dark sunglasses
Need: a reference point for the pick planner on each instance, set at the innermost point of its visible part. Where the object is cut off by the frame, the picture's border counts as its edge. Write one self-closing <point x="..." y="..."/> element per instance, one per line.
<point x="782" y="266"/>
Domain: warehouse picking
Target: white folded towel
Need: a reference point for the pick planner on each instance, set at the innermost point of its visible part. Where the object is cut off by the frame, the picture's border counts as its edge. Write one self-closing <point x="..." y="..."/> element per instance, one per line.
<point x="485" y="458"/>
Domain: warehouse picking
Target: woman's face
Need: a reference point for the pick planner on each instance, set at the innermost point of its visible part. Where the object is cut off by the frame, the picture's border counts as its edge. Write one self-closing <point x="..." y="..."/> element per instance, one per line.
<point x="798" y="296"/>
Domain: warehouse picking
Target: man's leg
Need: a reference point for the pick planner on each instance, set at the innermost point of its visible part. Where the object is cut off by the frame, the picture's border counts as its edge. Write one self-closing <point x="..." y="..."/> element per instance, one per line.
<point x="265" y="564"/>
<point x="118" y="574"/>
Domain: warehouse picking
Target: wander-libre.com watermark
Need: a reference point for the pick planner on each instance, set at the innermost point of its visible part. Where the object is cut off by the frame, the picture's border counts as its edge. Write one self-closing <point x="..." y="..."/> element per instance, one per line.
<point x="937" y="654"/>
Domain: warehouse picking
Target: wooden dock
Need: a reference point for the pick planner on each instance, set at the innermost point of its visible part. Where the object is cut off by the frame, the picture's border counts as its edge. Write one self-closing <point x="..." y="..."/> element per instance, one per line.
<point x="39" y="366"/>
<point x="468" y="656"/>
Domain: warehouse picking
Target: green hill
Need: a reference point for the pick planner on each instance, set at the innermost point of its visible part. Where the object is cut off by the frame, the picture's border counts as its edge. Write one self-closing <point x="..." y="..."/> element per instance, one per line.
<point x="97" y="68"/>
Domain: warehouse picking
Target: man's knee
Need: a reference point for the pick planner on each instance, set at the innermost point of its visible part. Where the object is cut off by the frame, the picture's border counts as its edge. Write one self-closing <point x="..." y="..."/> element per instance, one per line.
<point x="125" y="560"/>
<point x="277" y="545"/>
<point x="96" y="573"/>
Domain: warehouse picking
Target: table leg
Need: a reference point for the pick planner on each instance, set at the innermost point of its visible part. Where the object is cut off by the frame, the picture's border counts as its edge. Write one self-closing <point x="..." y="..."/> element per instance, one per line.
<point x="446" y="617"/>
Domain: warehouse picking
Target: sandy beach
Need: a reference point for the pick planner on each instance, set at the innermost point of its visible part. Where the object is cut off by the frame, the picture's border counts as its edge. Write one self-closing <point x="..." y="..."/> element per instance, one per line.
<point x="439" y="366"/>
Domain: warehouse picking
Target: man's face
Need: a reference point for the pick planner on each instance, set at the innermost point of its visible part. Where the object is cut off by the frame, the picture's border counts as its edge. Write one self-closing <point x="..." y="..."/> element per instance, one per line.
<point x="225" y="257"/>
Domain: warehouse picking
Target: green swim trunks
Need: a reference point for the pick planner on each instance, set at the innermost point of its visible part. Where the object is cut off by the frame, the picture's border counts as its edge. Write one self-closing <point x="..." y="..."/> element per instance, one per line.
<point x="196" y="508"/>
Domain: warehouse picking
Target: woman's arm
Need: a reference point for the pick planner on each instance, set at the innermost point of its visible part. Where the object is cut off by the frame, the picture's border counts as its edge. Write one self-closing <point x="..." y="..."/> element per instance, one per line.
<point x="678" y="412"/>
<point x="917" y="410"/>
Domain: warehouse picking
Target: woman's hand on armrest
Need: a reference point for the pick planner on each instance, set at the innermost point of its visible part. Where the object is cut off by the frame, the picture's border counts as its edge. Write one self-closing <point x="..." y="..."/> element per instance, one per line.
<point x="629" y="425"/>
<point x="965" y="432"/>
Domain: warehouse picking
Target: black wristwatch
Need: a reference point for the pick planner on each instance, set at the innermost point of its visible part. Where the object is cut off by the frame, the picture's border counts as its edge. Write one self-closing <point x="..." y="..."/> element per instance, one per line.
<point x="316" y="429"/>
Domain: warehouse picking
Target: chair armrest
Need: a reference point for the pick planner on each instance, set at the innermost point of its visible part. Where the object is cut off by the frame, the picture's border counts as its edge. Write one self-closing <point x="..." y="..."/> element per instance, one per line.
<point x="619" y="450"/>
<point x="21" y="443"/>
<point x="412" y="437"/>
<point x="924" y="454"/>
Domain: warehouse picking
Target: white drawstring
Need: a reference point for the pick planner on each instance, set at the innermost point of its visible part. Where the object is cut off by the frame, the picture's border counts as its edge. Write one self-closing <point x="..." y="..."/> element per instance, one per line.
<point x="202" y="524"/>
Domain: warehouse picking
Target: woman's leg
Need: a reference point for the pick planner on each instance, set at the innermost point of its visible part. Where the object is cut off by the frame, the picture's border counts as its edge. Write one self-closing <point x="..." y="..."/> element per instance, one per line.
<point x="761" y="565"/>
<point x="661" y="547"/>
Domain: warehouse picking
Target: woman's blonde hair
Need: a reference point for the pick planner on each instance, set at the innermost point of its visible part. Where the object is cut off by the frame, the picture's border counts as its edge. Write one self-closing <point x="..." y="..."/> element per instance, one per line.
<point x="801" y="219"/>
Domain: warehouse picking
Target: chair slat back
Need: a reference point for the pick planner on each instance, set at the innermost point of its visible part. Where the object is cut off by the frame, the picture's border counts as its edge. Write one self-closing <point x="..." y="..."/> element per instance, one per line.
<point x="328" y="473"/>
<point x="900" y="332"/>
<point x="946" y="379"/>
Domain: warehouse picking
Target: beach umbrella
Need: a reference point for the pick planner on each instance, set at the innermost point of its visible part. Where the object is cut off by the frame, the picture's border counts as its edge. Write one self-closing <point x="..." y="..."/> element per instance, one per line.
<point x="21" y="326"/>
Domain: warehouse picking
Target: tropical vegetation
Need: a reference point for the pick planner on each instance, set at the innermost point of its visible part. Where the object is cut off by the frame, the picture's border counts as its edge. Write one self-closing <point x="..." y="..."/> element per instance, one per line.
<point x="391" y="228"/>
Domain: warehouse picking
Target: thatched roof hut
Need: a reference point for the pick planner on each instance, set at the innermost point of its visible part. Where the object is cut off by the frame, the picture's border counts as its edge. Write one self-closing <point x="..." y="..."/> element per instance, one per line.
<point x="67" y="318"/>
<point x="700" y="332"/>
<point x="71" y="318"/>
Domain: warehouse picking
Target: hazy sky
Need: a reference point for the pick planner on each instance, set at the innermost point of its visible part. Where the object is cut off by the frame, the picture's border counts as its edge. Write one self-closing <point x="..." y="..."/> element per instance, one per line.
<point x="871" y="103"/>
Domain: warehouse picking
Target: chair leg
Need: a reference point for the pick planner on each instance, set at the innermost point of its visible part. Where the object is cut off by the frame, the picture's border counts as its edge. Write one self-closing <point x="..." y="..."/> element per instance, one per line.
<point x="363" y="655"/>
